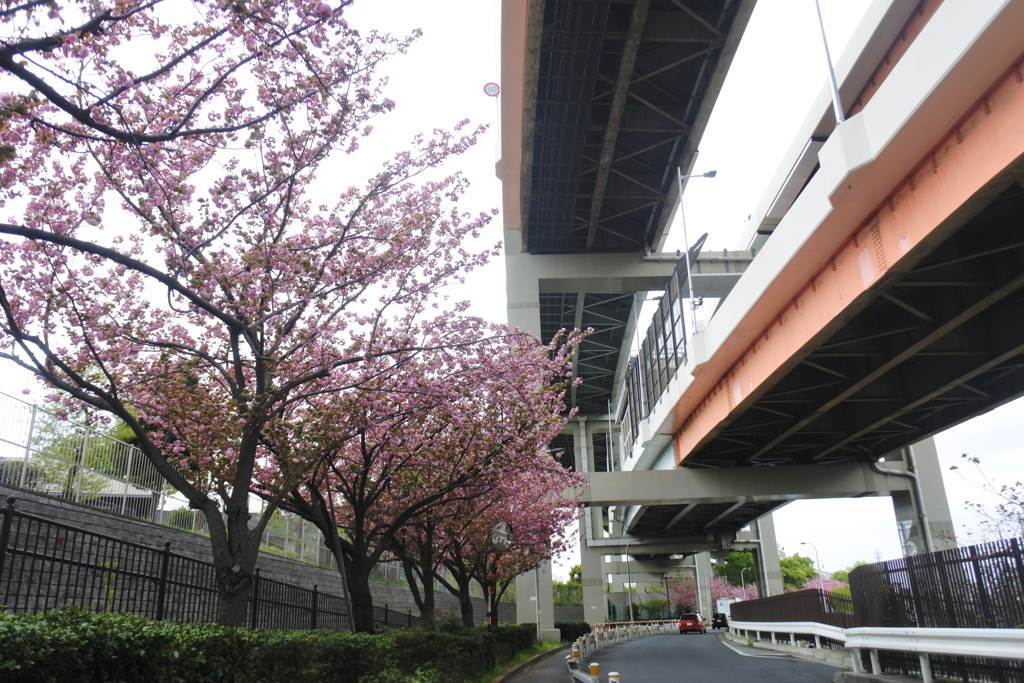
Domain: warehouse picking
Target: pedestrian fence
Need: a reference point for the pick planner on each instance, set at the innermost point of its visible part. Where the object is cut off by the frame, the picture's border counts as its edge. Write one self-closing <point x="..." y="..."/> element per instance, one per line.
<point x="603" y="635"/>
<point x="45" y="452"/>
<point x="45" y="565"/>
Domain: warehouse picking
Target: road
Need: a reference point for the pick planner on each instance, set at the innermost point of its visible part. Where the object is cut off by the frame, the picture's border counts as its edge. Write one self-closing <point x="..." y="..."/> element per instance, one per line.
<point x="691" y="657"/>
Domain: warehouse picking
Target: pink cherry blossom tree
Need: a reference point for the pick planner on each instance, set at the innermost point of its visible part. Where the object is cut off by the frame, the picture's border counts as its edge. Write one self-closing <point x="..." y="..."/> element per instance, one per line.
<point x="683" y="594"/>
<point x="181" y="253"/>
<point x="407" y="446"/>
<point x="824" y="584"/>
<point x="539" y="501"/>
<point x="721" y="588"/>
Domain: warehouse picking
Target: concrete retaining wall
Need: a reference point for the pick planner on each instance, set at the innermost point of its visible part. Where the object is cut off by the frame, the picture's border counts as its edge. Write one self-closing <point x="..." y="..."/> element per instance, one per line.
<point x="396" y="596"/>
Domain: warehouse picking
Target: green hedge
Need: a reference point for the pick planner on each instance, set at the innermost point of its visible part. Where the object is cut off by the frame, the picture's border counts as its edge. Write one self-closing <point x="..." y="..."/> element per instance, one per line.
<point x="571" y="630"/>
<point x="71" y="645"/>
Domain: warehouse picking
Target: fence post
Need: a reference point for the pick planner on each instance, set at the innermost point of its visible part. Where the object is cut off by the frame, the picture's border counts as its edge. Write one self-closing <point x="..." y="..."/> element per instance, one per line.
<point x="986" y="606"/>
<point x="128" y="478"/>
<point x="254" y="612"/>
<point x="926" y="667"/>
<point x="28" y="448"/>
<point x="5" y="529"/>
<point x="79" y="465"/>
<point x="161" y="585"/>
<point x="316" y="603"/>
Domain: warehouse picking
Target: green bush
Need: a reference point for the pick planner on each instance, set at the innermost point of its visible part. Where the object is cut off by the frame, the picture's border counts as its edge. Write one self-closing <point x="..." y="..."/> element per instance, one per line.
<point x="329" y="656"/>
<point x="455" y="655"/>
<point x="72" y="645"/>
<point x="572" y="630"/>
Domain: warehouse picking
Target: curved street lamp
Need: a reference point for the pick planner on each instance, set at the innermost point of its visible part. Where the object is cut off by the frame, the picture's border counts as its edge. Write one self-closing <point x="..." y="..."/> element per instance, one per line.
<point x="629" y="581"/>
<point x="817" y="562"/>
<point x="680" y="177"/>
<point x="743" y="585"/>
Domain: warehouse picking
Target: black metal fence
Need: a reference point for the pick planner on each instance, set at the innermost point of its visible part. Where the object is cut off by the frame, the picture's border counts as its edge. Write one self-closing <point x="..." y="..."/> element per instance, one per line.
<point x="979" y="586"/>
<point x="45" y="565"/>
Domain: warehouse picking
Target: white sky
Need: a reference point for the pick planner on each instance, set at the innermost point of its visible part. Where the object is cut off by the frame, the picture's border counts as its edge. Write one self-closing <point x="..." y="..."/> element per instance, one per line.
<point x="779" y="69"/>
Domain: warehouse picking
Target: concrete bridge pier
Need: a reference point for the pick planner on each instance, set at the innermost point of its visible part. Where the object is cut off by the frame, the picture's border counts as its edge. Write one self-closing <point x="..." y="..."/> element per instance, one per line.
<point x="924" y="505"/>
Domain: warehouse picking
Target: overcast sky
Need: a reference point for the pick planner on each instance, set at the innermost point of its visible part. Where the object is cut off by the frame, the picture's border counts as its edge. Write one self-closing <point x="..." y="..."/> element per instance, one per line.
<point x="780" y="67"/>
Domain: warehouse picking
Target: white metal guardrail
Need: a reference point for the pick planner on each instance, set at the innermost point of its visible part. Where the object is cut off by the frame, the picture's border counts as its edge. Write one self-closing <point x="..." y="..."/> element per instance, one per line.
<point x="983" y="643"/>
<point x="604" y="635"/>
<point x="792" y="628"/>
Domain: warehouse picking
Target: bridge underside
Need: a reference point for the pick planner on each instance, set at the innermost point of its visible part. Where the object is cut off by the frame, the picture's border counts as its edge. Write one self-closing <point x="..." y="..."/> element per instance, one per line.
<point x="615" y="96"/>
<point x="929" y="347"/>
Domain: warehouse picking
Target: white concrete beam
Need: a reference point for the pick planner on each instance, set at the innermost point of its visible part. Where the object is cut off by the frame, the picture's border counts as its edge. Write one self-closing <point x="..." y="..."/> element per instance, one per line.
<point x="746" y="484"/>
<point x="714" y="273"/>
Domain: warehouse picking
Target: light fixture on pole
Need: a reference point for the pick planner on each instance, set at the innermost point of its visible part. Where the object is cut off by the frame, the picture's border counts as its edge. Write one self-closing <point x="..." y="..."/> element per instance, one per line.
<point x="743" y="585"/>
<point x="817" y="562"/>
<point x="680" y="177"/>
<point x="837" y="102"/>
<point x="629" y="581"/>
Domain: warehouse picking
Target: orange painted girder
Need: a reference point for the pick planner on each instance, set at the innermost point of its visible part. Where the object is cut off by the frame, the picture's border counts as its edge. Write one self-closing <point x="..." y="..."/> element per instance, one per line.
<point x="982" y="145"/>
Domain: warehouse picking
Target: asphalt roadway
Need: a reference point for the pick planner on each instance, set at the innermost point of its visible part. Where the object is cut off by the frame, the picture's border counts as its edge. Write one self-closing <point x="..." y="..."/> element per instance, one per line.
<point x="670" y="658"/>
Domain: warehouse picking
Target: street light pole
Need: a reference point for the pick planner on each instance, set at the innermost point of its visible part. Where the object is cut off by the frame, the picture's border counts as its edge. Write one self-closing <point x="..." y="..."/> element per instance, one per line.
<point x="837" y="102"/>
<point x="817" y="561"/>
<point x="629" y="581"/>
<point x="686" y="240"/>
<point x="743" y="585"/>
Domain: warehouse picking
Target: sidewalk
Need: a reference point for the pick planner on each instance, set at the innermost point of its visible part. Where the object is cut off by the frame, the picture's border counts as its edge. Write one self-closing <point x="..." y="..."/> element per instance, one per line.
<point x="548" y="667"/>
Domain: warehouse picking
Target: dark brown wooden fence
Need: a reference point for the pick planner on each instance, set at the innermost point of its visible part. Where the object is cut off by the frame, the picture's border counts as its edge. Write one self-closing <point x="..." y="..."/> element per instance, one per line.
<point x="805" y="605"/>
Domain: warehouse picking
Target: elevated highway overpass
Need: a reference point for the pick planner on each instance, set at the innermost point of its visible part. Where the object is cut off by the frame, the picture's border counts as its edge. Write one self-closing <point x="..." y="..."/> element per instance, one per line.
<point x="873" y="304"/>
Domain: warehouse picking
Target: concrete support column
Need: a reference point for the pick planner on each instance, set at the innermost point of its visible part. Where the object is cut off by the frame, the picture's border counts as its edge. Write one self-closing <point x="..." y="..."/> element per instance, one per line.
<point x="595" y="598"/>
<point x="705" y="605"/>
<point x="524" y="312"/>
<point x="766" y="559"/>
<point x="527" y="598"/>
<point x="923" y="460"/>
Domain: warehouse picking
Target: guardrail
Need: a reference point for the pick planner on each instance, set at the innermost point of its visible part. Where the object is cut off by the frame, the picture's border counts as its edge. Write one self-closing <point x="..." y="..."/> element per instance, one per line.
<point x="1001" y="644"/>
<point x="793" y="629"/>
<point x="604" y="635"/>
<point x="983" y="643"/>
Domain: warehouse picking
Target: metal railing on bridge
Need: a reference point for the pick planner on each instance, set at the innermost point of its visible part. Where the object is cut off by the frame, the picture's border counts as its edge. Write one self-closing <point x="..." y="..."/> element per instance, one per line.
<point x="662" y="353"/>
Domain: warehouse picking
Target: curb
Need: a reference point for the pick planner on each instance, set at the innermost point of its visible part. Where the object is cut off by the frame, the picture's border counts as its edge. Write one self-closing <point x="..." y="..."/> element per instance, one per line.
<point x="528" y="662"/>
<point x="829" y="657"/>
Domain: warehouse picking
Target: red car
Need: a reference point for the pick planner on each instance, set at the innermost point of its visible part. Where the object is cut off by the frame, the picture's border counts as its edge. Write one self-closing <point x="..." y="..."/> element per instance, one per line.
<point x="691" y="622"/>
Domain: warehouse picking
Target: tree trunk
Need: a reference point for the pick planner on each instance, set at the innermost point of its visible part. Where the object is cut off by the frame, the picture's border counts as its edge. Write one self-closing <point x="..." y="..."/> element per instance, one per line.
<point x="422" y="596"/>
<point x="235" y="552"/>
<point x="361" y="609"/>
<point x="466" y="606"/>
<point x="233" y="588"/>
